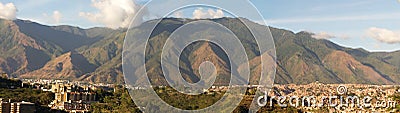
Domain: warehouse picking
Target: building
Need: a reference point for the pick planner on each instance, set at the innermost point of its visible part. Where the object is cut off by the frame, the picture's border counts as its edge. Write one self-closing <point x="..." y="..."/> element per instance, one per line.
<point x="22" y="107"/>
<point x="4" y="75"/>
<point x="16" y="107"/>
<point x="76" y="107"/>
<point x="72" y="98"/>
<point x="5" y="106"/>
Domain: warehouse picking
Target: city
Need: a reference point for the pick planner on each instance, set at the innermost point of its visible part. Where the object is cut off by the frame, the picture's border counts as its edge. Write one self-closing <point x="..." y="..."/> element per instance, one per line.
<point x="79" y="97"/>
<point x="222" y="56"/>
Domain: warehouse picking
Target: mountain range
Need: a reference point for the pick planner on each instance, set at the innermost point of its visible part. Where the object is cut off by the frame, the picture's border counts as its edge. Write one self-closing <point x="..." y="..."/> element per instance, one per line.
<point x="32" y="50"/>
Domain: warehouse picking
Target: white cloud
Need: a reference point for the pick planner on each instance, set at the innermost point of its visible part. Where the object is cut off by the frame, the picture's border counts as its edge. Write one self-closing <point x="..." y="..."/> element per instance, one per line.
<point x="200" y="13"/>
<point x="54" y="18"/>
<point x="8" y="11"/>
<point x="178" y="14"/>
<point x="325" y="35"/>
<point x="57" y="16"/>
<point x="114" y="13"/>
<point x="384" y="35"/>
<point x="387" y="16"/>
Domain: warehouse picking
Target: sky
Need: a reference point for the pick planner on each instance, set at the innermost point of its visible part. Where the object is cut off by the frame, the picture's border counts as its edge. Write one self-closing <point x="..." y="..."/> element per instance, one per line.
<point x="369" y="24"/>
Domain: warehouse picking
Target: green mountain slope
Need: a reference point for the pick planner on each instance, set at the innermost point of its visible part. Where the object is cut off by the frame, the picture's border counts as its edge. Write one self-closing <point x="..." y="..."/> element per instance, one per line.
<point x="70" y="65"/>
<point x="27" y="46"/>
<point x="301" y="59"/>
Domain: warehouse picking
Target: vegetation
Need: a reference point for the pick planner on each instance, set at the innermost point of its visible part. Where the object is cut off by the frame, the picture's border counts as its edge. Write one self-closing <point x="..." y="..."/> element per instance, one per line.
<point x="116" y="102"/>
<point x="396" y="98"/>
<point x="301" y="58"/>
<point x="27" y="94"/>
<point x="120" y="101"/>
<point x="7" y="83"/>
<point x="18" y="94"/>
<point x="188" y="102"/>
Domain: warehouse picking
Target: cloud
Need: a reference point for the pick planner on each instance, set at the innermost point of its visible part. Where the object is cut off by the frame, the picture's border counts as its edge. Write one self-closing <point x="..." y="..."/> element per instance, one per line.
<point x="200" y="13"/>
<point x="8" y="11"/>
<point x="55" y="18"/>
<point x="325" y="35"/>
<point x="384" y="35"/>
<point x="114" y="13"/>
<point x="178" y="14"/>
<point x="387" y="16"/>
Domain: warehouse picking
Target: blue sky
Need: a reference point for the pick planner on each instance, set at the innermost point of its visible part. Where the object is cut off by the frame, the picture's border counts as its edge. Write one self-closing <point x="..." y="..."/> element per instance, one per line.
<point x="370" y="24"/>
<point x="348" y="20"/>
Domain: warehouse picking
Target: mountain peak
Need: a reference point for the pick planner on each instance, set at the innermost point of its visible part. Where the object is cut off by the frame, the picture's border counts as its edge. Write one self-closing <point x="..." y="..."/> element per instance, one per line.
<point x="70" y="65"/>
<point x="32" y="50"/>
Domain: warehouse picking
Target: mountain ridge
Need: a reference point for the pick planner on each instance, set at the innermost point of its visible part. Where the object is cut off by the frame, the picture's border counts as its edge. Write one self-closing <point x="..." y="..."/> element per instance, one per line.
<point x="301" y="58"/>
